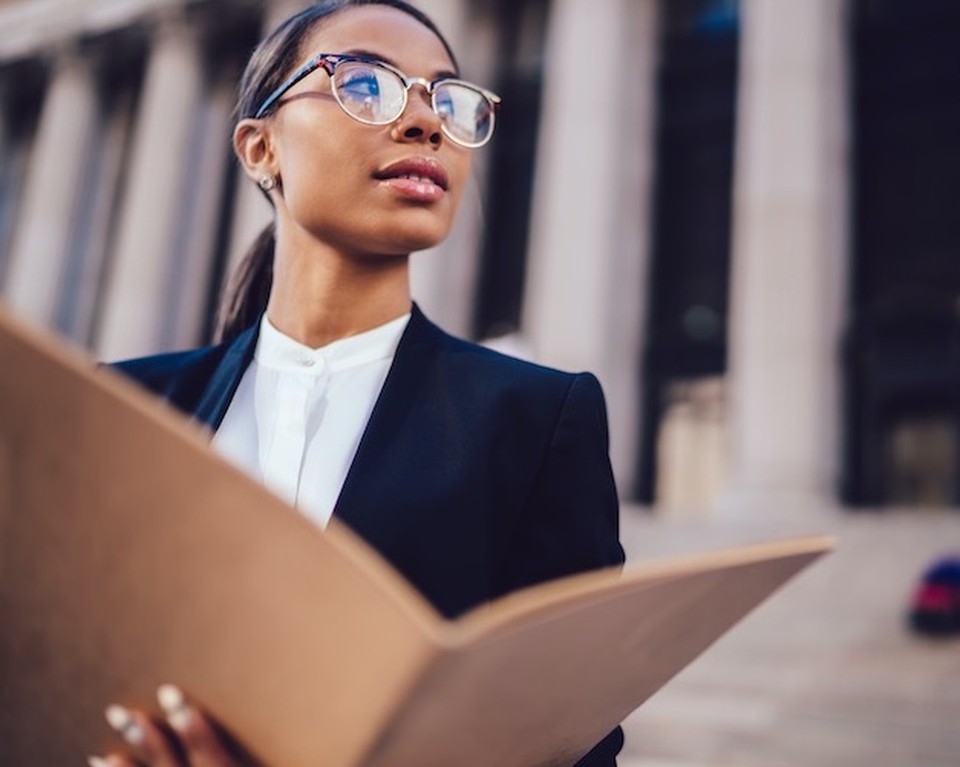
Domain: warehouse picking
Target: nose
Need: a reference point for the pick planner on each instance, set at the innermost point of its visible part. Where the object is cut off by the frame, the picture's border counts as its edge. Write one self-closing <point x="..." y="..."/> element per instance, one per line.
<point x="418" y="123"/>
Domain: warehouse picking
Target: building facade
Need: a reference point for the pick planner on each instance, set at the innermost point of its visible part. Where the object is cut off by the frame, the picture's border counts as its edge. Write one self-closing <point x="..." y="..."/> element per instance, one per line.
<point x="740" y="215"/>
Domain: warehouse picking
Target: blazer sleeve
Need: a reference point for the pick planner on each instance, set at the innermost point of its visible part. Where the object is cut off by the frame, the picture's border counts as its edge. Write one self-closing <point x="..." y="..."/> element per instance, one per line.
<point x="570" y="523"/>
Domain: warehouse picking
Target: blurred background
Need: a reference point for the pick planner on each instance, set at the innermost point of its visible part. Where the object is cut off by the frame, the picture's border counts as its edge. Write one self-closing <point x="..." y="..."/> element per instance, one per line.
<point x="743" y="215"/>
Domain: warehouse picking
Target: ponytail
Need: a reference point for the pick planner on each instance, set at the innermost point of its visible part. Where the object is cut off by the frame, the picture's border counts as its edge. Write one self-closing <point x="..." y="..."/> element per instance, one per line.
<point x="245" y="297"/>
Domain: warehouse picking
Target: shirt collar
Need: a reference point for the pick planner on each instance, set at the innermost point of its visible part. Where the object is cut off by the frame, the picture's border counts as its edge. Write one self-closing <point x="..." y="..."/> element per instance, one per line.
<point x="278" y="351"/>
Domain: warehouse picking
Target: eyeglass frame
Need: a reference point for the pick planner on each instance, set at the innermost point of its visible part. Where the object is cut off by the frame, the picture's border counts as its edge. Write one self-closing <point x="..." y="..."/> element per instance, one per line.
<point x="329" y="63"/>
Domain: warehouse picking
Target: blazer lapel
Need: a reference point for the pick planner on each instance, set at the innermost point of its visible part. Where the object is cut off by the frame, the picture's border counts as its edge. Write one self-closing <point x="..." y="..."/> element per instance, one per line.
<point x="226" y="378"/>
<point x="361" y="497"/>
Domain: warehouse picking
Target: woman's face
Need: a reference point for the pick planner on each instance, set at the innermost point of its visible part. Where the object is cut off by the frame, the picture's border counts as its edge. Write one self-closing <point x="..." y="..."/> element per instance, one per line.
<point x="348" y="184"/>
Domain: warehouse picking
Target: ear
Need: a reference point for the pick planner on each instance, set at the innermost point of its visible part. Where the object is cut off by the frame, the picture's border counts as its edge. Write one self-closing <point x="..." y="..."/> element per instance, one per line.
<point x="253" y="145"/>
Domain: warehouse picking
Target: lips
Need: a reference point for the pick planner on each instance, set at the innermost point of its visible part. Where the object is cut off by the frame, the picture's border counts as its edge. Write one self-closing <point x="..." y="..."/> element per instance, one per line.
<point x="420" y="170"/>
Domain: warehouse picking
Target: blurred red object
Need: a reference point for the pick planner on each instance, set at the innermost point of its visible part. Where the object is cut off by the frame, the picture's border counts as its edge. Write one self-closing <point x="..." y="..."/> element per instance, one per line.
<point x="935" y="609"/>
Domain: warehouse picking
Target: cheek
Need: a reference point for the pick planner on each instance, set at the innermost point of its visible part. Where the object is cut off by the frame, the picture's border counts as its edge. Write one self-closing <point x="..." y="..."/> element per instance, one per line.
<point x="461" y="168"/>
<point x="328" y="189"/>
<point x="319" y="177"/>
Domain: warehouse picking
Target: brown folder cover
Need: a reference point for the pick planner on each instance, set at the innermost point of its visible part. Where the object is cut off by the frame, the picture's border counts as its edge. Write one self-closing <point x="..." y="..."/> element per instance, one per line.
<point x="131" y="555"/>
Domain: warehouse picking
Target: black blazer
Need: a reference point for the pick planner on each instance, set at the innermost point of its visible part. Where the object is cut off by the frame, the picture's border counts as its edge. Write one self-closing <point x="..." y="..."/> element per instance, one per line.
<point x="476" y="475"/>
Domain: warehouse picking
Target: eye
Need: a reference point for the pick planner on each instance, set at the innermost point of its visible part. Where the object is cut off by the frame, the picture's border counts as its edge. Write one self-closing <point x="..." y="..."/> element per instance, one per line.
<point x="444" y="102"/>
<point x="360" y="85"/>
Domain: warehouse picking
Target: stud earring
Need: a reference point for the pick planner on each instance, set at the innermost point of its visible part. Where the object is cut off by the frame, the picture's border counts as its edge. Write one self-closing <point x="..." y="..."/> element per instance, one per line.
<point x="268" y="183"/>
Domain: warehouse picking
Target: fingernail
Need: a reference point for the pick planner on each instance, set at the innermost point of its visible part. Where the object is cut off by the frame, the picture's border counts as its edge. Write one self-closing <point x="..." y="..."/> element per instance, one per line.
<point x="174" y="705"/>
<point x="121" y="720"/>
<point x="96" y="761"/>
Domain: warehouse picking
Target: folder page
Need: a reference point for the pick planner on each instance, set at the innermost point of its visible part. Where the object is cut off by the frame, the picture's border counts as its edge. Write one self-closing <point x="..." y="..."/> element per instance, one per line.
<point x="540" y="676"/>
<point x="131" y="555"/>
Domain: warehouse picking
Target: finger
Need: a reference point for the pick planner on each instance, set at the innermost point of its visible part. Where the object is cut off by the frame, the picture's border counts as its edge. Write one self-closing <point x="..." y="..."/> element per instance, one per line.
<point x="197" y="736"/>
<point x="113" y="760"/>
<point x="141" y="733"/>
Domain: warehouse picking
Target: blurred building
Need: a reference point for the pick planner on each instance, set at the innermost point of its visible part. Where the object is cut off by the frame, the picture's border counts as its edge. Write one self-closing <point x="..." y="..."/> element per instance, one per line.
<point x="742" y="215"/>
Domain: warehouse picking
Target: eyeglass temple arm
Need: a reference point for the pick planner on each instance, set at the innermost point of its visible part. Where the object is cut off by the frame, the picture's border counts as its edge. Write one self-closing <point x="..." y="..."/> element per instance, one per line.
<point x="494" y="98"/>
<point x="311" y="66"/>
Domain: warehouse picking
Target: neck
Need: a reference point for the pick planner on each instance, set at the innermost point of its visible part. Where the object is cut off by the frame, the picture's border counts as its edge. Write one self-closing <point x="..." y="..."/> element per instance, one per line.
<point x="320" y="294"/>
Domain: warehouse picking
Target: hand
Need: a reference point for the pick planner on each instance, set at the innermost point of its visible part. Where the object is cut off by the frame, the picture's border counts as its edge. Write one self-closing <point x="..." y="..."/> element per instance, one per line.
<point x="187" y="739"/>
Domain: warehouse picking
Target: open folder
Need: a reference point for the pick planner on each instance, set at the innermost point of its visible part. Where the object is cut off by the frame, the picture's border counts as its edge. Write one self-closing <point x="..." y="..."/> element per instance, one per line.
<point x="131" y="555"/>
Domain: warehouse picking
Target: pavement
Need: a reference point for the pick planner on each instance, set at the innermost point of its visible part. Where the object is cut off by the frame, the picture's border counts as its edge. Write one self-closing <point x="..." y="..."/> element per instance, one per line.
<point x="825" y="673"/>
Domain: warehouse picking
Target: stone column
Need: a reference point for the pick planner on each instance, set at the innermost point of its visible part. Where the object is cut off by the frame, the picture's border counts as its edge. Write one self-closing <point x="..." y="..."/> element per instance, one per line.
<point x="199" y="221"/>
<point x="789" y="255"/>
<point x="584" y="307"/>
<point x="54" y="181"/>
<point x="135" y="305"/>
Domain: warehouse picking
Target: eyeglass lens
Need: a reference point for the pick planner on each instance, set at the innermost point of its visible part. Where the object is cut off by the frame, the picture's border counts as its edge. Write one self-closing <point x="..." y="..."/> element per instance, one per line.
<point x="375" y="95"/>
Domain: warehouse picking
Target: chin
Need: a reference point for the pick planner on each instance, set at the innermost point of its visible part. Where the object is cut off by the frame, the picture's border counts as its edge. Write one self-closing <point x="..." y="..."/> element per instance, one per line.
<point x="414" y="238"/>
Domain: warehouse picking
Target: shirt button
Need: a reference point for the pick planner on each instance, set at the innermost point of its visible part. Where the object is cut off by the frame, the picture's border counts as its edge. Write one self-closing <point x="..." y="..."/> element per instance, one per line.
<point x="307" y="362"/>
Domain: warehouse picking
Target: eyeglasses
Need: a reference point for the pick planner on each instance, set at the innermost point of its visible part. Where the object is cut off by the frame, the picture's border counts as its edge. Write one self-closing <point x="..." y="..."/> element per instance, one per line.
<point x="376" y="93"/>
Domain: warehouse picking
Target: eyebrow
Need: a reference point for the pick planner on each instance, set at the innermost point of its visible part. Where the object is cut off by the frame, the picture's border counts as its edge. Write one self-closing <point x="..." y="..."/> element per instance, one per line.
<point x="363" y="53"/>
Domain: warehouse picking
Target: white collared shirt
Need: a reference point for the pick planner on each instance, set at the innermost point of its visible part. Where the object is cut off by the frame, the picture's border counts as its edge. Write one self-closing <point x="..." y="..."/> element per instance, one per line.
<point x="297" y="417"/>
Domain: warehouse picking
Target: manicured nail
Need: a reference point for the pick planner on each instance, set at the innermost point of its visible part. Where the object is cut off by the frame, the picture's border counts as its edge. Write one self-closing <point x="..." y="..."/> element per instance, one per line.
<point x="96" y="761"/>
<point x="174" y="705"/>
<point x="121" y="720"/>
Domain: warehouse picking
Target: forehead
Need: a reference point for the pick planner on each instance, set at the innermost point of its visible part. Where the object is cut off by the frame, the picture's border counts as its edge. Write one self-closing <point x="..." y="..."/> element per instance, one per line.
<point x="385" y="31"/>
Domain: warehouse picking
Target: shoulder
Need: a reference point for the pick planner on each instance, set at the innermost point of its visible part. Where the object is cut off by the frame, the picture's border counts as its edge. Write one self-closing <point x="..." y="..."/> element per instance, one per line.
<point x="484" y="391"/>
<point x="181" y="377"/>
<point x="157" y="370"/>
<point x="160" y="372"/>
<point x="480" y="366"/>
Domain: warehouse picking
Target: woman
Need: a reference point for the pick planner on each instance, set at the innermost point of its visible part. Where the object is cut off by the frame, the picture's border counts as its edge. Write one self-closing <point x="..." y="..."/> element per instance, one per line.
<point x="474" y="474"/>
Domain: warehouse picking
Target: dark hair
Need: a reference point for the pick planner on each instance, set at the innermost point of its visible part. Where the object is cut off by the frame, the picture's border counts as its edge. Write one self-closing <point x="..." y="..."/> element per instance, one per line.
<point x="248" y="289"/>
